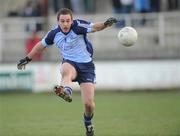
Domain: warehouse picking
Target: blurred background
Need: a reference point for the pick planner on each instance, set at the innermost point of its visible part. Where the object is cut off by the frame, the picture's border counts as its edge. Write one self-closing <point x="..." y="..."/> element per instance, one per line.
<point x="152" y="63"/>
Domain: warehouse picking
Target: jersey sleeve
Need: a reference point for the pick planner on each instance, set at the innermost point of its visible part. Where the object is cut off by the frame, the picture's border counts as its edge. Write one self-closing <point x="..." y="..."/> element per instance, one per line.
<point x="83" y="27"/>
<point x="49" y="38"/>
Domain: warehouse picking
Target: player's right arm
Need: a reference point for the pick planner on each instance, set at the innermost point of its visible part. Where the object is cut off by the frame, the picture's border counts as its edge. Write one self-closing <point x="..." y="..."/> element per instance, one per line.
<point x="38" y="48"/>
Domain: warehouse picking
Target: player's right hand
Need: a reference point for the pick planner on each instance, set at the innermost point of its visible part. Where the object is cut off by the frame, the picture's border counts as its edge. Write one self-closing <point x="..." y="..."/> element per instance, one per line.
<point x="22" y="63"/>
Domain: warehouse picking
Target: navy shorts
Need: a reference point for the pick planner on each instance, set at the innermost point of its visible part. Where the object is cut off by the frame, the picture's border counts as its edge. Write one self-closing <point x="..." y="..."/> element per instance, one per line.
<point x="85" y="71"/>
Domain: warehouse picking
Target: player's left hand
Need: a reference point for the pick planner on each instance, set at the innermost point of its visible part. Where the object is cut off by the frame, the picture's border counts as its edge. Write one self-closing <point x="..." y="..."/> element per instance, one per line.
<point x="22" y="63"/>
<point x="110" y="21"/>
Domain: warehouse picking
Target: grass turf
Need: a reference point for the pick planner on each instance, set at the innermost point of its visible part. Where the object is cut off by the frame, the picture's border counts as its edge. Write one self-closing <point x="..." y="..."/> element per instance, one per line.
<point x="116" y="114"/>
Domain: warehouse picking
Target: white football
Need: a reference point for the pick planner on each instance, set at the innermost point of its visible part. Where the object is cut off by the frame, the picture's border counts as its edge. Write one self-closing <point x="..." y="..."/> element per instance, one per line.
<point x="127" y="36"/>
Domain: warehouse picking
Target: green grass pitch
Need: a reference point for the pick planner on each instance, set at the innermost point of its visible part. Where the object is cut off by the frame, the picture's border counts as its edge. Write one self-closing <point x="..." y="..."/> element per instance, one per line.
<point x="116" y="114"/>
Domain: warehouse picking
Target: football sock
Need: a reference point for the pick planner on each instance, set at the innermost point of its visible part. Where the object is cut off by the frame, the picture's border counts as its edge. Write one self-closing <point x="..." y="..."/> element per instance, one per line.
<point x="87" y="120"/>
<point x="68" y="90"/>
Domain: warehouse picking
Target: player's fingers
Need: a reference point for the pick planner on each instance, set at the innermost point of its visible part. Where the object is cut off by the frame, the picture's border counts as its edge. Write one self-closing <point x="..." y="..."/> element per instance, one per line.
<point x="19" y="67"/>
<point x="23" y="67"/>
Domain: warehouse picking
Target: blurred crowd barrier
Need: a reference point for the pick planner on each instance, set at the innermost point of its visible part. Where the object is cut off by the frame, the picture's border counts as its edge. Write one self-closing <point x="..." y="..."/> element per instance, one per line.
<point x="49" y="7"/>
<point x="158" y="36"/>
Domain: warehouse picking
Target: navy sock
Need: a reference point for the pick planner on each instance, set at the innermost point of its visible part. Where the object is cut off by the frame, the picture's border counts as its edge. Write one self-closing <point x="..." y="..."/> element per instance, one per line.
<point x="87" y="120"/>
<point x="68" y="90"/>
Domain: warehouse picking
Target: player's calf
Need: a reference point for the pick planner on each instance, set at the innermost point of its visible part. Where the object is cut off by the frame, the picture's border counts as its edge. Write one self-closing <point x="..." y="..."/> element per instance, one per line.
<point x="63" y="92"/>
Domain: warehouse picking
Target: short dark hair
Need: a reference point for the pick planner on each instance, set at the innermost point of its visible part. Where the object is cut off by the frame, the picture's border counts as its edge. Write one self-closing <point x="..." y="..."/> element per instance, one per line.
<point x="64" y="11"/>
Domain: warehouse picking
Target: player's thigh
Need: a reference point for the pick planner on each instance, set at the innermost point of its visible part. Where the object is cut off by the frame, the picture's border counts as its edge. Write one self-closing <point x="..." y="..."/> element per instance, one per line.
<point x="68" y="70"/>
<point x="87" y="92"/>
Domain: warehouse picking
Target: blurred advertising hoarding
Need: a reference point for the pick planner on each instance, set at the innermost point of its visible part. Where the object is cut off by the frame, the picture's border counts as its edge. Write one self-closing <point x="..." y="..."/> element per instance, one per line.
<point x="11" y="81"/>
<point x="36" y="77"/>
<point x="114" y="75"/>
<point x="1" y="42"/>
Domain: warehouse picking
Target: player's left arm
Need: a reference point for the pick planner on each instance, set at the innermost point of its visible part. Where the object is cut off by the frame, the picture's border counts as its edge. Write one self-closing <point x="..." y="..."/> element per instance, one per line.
<point x="102" y="25"/>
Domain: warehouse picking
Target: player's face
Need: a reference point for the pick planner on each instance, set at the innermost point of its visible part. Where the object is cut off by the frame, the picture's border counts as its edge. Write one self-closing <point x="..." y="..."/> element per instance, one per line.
<point x="65" y="22"/>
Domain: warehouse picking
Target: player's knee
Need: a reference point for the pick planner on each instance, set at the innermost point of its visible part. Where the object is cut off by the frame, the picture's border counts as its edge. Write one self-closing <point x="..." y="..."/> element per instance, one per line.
<point x="68" y="75"/>
<point x="89" y="104"/>
<point x="68" y="71"/>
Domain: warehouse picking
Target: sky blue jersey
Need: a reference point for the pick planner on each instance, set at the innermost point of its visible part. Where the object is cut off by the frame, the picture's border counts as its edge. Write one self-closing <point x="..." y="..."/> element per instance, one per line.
<point x="73" y="45"/>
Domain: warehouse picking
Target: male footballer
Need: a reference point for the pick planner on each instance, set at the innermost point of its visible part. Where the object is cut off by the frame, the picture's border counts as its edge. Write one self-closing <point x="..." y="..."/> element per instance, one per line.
<point x="70" y="37"/>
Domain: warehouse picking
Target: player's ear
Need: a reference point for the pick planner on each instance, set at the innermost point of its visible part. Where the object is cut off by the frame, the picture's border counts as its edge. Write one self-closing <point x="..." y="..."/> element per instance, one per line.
<point x="72" y="21"/>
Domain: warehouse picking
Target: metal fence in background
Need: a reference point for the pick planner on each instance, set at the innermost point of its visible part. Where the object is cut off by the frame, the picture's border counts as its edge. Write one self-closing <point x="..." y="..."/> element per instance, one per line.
<point x="158" y="37"/>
